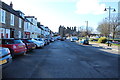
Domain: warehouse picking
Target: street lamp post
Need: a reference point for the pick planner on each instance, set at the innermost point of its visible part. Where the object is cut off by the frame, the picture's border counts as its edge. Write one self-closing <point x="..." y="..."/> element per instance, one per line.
<point x="109" y="22"/>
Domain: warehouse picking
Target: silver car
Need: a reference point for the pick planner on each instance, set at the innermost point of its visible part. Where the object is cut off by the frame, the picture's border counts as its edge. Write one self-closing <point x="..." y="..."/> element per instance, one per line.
<point x="5" y="57"/>
<point x="38" y="43"/>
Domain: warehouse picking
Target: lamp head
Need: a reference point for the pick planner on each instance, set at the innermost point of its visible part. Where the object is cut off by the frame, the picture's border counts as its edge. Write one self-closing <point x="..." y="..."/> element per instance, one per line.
<point x="105" y="9"/>
<point x="114" y="10"/>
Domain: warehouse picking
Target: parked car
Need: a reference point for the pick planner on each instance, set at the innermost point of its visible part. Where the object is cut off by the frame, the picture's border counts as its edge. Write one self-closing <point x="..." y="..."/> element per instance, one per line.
<point x="5" y="57"/>
<point x="109" y="42"/>
<point x="16" y="46"/>
<point x="42" y="40"/>
<point x="48" y="41"/>
<point x="29" y="45"/>
<point x="74" y="39"/>
<point x="84" y="41"/>
<point x="63" y="38"/>
<point x="52" y="39"/>
<point x="116" y="42"/>
<point x="37" y="43"/>
<point x="58" y="38"/>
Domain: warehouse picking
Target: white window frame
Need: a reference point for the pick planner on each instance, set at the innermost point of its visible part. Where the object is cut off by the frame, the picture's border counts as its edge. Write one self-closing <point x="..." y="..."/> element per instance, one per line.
<point x="2" y="30"/>
<point x="19" y="34"/>
<point x="2" y="16"/>
<point x="12" y="19"/>
<point x="20" y="23"/>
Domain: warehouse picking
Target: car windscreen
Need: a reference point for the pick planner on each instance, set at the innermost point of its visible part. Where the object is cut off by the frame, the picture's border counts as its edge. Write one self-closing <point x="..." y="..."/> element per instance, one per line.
<point x="75" y="38"/>
<point x="11" y="41"/>
<point x="40" y="39"/>
<point x="7" y="41"/>
<point x="30" y="41"/>
<point x="17" y="41"/>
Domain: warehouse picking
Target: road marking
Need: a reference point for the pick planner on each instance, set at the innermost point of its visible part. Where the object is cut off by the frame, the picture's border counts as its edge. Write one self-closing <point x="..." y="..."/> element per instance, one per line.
<point x="69" y="59"/>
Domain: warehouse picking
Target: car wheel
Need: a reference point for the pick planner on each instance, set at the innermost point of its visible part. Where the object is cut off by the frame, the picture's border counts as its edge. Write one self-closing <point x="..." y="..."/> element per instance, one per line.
<point x="24" y="53"/>
<point x="36" y="45"/>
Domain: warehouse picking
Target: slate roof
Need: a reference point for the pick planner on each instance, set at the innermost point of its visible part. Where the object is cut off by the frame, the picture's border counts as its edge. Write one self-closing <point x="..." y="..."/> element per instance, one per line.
<point x="29" y="16"/>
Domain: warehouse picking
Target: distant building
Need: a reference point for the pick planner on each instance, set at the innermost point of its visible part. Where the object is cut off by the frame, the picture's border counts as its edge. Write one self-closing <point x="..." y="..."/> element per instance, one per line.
<point x="62" y="31"/>
<point x="67" y="31"/>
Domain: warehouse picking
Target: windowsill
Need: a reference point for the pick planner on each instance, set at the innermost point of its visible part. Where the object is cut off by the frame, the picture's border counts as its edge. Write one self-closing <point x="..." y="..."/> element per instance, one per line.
<point x="12" y="25"/>
<point x="3" y="22"/>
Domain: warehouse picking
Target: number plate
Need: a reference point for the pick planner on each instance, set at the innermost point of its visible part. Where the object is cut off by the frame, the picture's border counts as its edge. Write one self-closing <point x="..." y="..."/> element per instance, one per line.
<point x="3" y="61"/>
<point x="20" y="46"/>
<point x="33" y="47"/>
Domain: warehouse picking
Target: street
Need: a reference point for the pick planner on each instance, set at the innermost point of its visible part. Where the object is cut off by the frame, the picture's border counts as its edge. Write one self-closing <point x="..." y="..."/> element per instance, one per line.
<point x="64" y="59"/>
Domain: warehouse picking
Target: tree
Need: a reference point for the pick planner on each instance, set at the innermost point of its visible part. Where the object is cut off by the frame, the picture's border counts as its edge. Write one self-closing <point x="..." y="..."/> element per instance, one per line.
<point x="114" y="25"/>
<point x="103" y="28"/>
<point x="83" y="32"/>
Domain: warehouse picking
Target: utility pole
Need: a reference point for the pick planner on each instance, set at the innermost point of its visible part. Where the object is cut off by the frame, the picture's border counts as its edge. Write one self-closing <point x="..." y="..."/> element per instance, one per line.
<point x="86" y="30"/>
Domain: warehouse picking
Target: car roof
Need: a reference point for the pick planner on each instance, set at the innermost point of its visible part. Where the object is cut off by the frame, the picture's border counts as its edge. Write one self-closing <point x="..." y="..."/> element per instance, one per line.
<point x="10" y="39"/>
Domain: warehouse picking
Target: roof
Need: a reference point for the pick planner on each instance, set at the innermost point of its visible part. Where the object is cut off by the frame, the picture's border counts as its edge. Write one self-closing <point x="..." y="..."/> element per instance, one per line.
<point x="40" y="27"/>
<point x="29" y="16"/>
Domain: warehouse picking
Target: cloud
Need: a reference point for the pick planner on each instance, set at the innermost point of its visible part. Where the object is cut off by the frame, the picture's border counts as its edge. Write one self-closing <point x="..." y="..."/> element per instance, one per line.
<point x="89" y="7"/>
<point x="109" y="0"/>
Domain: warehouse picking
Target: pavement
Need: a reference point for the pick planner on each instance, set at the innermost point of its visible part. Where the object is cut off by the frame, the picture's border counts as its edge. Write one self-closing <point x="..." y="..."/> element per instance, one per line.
<point x="111" y="49"/>
<point x="116" y="48"/>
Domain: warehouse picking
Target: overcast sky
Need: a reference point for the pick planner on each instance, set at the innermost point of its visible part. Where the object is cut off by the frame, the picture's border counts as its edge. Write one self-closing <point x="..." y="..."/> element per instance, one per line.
<point x="53" y="13"/>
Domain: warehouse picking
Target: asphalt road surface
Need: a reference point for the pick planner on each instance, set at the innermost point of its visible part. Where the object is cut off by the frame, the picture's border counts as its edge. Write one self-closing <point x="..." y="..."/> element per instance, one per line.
<point x="64" y="59"/>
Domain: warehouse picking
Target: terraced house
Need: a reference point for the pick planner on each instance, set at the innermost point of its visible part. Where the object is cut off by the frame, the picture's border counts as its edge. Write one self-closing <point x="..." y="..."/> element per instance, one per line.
<point x="34" y="30"/>
<point x="14" y="24"/>
<point x="11" y="21"/>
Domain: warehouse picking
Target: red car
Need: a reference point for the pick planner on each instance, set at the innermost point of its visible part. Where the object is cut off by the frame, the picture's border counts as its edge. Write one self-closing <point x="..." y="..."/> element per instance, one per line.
<point x="29" y="45"/>
<point x="16" y="46"/>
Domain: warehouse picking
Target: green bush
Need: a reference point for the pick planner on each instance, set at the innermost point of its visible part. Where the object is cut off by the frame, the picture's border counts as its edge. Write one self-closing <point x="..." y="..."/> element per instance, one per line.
<point x="102" y="40"/>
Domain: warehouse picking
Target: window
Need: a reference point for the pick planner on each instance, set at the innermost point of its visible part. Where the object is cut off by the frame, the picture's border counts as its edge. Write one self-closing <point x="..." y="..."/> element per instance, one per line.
<point x="24" y="26"/>
<point x="12" y="20"/>
<point x="20" y="23"/>
<point x="7" y="32"/>
<point x="2" y="32"/>
<point x="19" y="34"/>
<point x="2" y="16"/>
<point x="27" y="25"/>
<point x="22" y="15"/>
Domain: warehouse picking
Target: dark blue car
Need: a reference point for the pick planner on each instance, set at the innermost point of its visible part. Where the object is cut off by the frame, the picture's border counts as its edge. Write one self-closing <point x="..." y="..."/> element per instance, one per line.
<point x="84" y="41"/>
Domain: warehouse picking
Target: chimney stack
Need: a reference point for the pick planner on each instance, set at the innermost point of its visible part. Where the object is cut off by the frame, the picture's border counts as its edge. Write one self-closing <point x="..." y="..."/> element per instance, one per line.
<point x="11" y="5"/>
